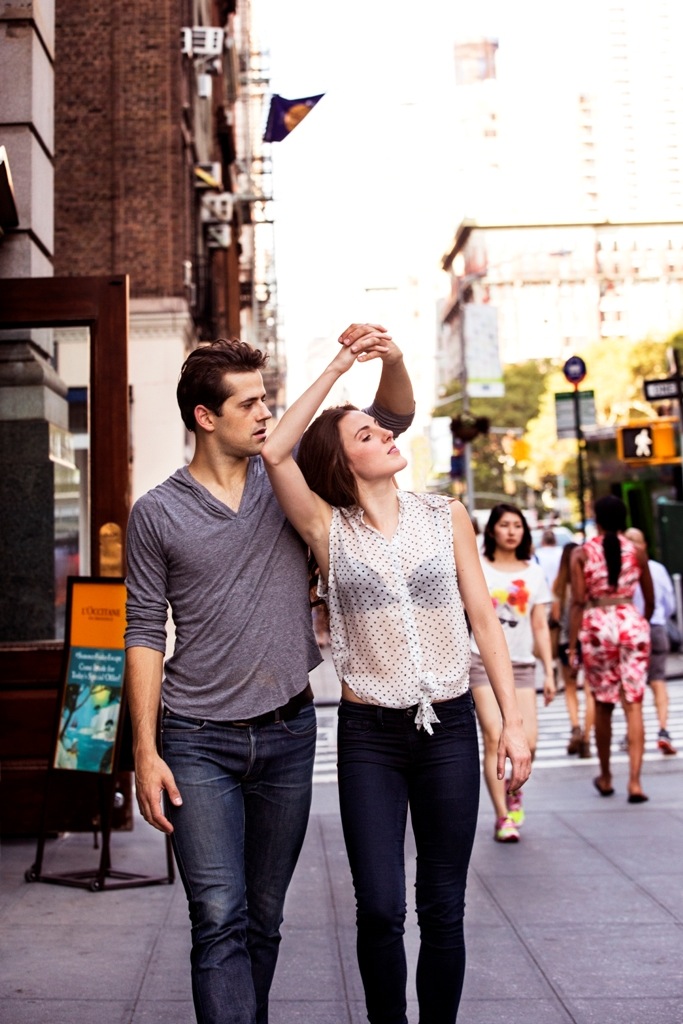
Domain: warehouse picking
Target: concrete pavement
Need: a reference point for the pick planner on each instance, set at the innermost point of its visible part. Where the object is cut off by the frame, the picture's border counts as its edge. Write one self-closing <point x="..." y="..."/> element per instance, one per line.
<point x="580" y="922"/>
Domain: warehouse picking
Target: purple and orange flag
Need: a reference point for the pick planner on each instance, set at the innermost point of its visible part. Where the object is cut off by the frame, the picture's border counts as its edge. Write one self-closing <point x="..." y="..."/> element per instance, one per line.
<point x="284" y="115"/>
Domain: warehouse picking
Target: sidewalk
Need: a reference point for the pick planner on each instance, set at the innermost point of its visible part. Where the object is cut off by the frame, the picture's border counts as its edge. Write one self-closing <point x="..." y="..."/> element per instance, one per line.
<point x="580" y="922"/>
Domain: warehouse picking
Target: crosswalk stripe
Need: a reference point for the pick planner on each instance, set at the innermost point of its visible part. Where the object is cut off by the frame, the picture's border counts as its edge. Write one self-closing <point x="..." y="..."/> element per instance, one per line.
<point x="553" y="735"/>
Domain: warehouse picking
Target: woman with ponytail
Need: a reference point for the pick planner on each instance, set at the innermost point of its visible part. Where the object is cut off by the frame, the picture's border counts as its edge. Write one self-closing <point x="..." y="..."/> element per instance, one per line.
<point x="614" y="637"/>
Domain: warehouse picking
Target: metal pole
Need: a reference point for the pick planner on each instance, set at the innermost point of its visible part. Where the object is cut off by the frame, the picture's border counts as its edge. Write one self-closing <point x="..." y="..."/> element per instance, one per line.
<point x="579" y="457"/>
<point x="467" y="447"/>
<point x="679" y="390"/>
<point x="679" y="601"/>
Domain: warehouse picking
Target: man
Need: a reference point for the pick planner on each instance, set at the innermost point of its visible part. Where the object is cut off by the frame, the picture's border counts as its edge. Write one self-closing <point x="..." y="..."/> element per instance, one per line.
<point x="665" y="606"/>
<point x="238" y="723"/>
<point x="548" y="555"/>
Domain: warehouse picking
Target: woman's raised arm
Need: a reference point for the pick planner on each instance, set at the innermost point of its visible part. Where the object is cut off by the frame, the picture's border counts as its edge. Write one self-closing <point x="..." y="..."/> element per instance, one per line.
<point x="307" y="512"/>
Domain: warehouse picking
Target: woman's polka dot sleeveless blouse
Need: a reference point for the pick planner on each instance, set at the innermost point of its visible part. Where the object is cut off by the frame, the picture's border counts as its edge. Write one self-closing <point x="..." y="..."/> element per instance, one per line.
<point x="397" y="623"/>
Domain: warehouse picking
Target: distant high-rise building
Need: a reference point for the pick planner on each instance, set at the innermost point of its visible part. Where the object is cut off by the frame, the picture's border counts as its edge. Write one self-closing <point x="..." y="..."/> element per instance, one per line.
<point x="630" y="121"/>
<point x="569" y="179"/>
<point x="590" y="124"/>
<point x="475" y="62"/>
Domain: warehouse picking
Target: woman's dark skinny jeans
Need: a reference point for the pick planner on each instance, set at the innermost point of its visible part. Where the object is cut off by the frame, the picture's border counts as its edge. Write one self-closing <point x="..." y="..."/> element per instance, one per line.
<point x="387" y="765"/>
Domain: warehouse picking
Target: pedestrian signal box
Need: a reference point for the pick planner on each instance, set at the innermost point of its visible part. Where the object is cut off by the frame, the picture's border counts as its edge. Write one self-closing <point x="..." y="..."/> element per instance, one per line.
<point x="652" y="442"/>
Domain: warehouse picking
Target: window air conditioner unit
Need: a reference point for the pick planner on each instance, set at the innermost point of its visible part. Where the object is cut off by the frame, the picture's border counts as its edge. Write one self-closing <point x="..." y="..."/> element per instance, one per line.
<point x="208" y="175"/>
<point x="201" y="41"/>
<point x="204" y="86"/>
<point x="217" y="208"/>
<point x="218" y="236"/>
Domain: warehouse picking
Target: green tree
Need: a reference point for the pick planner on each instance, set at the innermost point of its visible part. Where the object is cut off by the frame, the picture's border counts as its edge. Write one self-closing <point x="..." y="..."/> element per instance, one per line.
<point x="524" y="386"/>
<point x="616" y="369"/>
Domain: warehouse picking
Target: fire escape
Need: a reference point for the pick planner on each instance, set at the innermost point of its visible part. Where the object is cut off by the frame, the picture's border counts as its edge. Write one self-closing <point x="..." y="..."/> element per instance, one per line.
<point x="254" y="208"/>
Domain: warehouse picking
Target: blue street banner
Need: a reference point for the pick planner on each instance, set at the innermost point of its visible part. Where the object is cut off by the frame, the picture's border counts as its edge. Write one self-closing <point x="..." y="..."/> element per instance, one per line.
<point x="482" y="356"/>
<point x="284" y="115"/>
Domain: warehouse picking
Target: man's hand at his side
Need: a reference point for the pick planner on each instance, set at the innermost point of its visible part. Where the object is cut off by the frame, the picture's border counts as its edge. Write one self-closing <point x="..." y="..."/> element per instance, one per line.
<point x="152" y="777"/>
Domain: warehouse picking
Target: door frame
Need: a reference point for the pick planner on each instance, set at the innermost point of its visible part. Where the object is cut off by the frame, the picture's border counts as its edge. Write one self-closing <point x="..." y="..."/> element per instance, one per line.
<point x="30" y="670"/>
<point x="102" y="305"/>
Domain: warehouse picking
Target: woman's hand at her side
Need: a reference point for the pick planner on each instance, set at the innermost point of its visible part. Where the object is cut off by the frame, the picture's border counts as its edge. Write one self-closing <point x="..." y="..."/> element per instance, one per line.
<point x="513" y="744"/>
<point x="549" y="688"/>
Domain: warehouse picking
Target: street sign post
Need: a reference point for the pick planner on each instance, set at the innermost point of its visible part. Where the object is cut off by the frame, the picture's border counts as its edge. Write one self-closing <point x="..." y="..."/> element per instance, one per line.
<point x="575" y="370"/>
<point x="660" y="390"/>
<point x="671" y="387"/>
<point x="565" y="412"/>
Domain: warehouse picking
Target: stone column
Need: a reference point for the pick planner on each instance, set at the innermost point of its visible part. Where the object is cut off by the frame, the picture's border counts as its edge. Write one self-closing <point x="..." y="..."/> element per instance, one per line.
<point x="33" y="440"/>
<point x="33" y="406"/>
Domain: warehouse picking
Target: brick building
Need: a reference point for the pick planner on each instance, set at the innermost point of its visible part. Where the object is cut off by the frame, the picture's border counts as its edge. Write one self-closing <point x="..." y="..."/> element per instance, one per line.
<point x="149" y="99"/>
<point x="147" y="162"/>
<point x="122" y="201"/>
<point x="130" y="138"/>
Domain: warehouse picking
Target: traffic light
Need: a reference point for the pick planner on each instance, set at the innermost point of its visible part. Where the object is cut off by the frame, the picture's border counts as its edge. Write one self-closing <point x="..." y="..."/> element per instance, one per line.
<point x="466" y="427"/>
<point x="652" y="442"/>
<point x="521" y="450"/>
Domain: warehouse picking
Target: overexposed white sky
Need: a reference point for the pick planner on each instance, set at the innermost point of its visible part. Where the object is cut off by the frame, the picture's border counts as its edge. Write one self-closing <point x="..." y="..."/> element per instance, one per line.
<point x="362" y="207"/>
<point x="369" y="189"/>
<point x="366" y="202"/>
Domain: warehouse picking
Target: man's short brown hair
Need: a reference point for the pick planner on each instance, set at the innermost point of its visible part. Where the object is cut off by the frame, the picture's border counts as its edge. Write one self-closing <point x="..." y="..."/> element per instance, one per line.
<point x="202" y="377"/>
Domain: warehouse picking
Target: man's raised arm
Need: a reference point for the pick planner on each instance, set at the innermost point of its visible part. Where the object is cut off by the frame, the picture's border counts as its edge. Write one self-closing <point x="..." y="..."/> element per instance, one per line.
<point x="394" y="402"/>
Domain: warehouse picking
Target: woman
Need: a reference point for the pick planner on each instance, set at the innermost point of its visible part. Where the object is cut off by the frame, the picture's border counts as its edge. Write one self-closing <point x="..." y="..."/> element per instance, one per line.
<point x="520" y="596"/>
<point x="395" y="569"/>
<point x="614" y="637"/>
<point x="579" y="740"/>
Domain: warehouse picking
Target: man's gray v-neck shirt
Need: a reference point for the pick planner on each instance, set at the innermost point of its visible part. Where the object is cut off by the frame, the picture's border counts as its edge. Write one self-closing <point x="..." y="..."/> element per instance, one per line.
<point x="237" y="583"/>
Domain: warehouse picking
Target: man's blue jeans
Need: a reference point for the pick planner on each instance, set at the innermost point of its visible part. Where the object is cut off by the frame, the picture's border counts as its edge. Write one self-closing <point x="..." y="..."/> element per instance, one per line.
<point x="386" y="766"/>
<point x="246" y="799"/>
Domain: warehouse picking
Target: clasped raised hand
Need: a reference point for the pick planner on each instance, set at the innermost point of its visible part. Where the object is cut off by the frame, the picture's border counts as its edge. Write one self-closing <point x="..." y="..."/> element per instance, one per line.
<point x="369" y="341"/>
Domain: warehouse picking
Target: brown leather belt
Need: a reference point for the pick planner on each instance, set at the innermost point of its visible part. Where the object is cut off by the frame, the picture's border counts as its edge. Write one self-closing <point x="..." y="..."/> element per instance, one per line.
<point x="282" y="714"/>
<point x="608" y="602"/>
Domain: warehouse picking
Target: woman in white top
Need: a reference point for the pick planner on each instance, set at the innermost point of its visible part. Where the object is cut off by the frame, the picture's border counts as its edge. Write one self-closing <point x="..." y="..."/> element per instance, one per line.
<point x="520" y="596"/>
<point x="393" y="567"/>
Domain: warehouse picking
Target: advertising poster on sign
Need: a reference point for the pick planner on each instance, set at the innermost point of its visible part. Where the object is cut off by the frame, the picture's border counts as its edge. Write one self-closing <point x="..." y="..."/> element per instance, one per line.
<point x="93" y="687"/>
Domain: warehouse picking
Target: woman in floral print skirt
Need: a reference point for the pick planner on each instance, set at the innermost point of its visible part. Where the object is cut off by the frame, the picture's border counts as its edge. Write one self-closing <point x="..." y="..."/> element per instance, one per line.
<point x="614" y="636"/>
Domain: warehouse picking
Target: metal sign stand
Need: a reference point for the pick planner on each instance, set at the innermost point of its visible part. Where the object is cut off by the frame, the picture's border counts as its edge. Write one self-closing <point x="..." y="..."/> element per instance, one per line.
<point x="103" y="876"/>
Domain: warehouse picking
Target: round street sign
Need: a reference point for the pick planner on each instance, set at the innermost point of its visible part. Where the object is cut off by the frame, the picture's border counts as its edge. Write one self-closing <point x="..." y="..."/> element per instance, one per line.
<point x="574" y="369"/>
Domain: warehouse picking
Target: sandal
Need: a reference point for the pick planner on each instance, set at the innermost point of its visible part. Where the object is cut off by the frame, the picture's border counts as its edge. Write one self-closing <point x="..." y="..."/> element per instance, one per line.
<point x="575" y="741"/>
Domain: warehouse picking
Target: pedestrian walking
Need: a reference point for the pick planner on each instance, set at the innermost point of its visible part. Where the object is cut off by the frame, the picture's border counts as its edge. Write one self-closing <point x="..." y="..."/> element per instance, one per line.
<point x="521" y="598"/>
<point x="660" y="645"/>
<point x="232" y="781"/>
<point x="579" y="739"/>
<point x="398" y="570"/>
<point x="614" y="636"/>
<point x="548" y="555"/>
